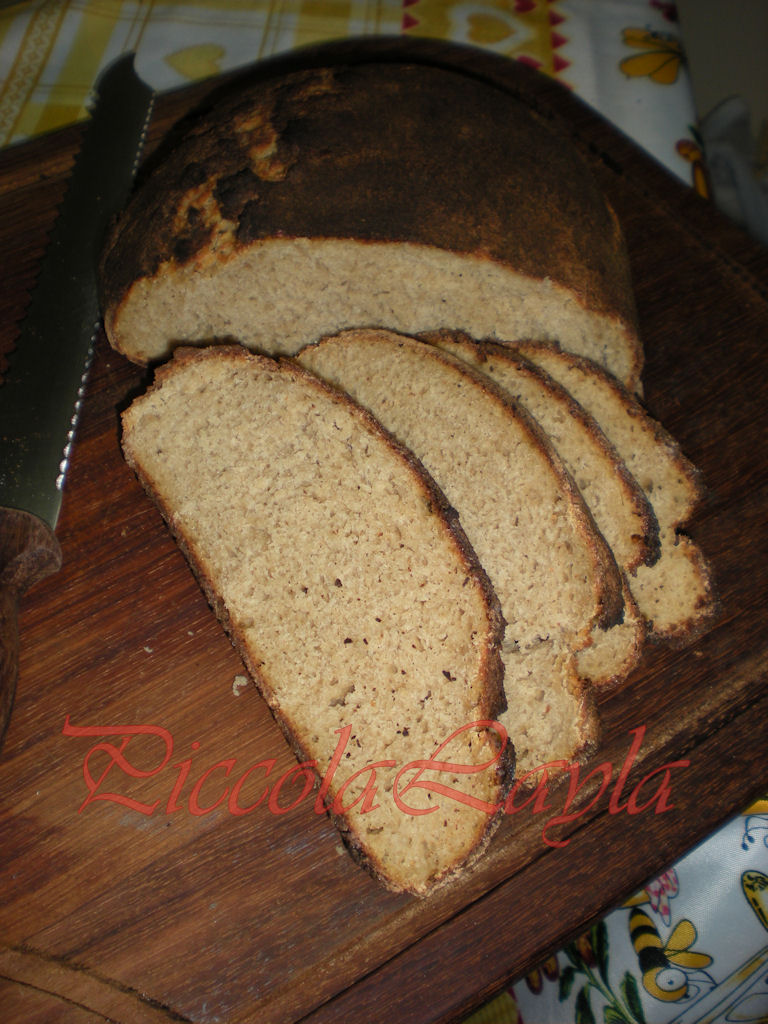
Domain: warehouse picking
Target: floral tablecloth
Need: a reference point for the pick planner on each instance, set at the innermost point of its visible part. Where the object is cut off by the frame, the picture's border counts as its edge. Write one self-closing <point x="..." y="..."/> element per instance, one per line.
<point x="689" y="948"/>
<point x="692" y="946"/>
<point x="622" y="56"/>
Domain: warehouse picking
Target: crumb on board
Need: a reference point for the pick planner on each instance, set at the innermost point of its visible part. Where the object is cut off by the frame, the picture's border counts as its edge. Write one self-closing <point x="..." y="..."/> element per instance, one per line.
<point x="239" y="683"/>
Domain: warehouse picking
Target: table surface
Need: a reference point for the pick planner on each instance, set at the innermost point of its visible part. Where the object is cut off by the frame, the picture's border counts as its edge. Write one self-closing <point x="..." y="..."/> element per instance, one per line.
<point x="112" y="911"/>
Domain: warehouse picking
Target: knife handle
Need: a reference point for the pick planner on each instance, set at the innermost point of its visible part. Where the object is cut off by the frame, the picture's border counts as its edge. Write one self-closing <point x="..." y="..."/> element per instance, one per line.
<point x="29" y="552"/>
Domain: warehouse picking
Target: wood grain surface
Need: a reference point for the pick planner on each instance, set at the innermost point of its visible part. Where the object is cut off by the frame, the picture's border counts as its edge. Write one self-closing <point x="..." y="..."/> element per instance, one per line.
<point x="157" y="895"/>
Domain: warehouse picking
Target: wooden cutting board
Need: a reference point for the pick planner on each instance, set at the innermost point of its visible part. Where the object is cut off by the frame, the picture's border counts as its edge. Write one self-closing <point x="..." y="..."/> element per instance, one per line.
<point x="137" y="880"/>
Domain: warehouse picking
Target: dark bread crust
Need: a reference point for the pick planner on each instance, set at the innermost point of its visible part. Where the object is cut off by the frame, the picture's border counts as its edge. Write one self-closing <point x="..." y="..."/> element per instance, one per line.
<point x="495" y="699"/>
<point x="378" y="153"/>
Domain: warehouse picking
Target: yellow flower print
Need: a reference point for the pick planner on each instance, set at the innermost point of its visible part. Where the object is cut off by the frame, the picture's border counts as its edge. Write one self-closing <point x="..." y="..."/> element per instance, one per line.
<point x="661" y="57"/>
<point x="691" y="151"/>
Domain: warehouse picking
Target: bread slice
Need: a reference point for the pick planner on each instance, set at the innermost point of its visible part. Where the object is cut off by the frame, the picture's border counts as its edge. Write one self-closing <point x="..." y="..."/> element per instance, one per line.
<point x="620" y="507"/>
<point x="676" y="595"/>
<point x="621" y="510"/>
<point x="553" y="572"/>
<point x="347" y="584"/>
<point x="406" y="196"/>
<point x="613" y="653"/>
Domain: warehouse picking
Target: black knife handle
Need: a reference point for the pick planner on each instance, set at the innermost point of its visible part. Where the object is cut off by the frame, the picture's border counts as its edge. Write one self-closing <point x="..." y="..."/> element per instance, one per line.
<point x="29" y="552"/>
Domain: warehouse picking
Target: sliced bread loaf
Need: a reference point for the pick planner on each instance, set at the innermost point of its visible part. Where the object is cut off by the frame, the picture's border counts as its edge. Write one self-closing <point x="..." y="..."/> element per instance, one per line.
<point x="552" y="570"/>
<point x="676" y="595"/>
<point x="398" y="195"/>
<point x="618" y="504"/>
<point x="620" y="507"/>
<point x="349" y="588"/>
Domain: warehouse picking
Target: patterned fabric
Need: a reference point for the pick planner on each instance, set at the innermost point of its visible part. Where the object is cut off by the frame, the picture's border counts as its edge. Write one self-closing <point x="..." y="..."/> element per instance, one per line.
<point x="689" y="948"/>
<point x="622" y="56"/>
<point x="693" y="945"/>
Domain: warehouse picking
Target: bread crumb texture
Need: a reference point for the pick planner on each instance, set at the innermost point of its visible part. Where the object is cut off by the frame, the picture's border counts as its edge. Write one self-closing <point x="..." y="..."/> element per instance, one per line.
<point x="348" y="588"/>
<point x="550" y="568"/>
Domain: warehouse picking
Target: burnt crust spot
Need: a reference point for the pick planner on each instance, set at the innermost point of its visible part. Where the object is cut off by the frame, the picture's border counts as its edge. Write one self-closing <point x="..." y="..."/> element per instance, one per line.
<point x="193" y="175"/>
<point x="249" y="223"/>
<point x="235" y="191"/>
<point x="395" y="153"/>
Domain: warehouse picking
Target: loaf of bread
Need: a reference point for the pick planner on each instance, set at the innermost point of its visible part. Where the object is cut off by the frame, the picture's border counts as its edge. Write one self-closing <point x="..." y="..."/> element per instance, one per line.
<point x="552" y="570"/>
<point x="405" y="196"/>
<point x="406" y="532"/>
<point x="675" y="595"/>
<point x="348" y="586"/>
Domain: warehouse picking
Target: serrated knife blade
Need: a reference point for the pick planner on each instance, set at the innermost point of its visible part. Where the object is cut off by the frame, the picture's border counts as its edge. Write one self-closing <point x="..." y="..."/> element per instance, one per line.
<point x="41" y="392"/>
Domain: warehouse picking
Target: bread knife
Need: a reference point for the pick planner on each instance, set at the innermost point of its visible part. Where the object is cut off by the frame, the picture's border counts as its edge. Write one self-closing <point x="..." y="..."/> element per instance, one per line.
<point x="41" y="393"/>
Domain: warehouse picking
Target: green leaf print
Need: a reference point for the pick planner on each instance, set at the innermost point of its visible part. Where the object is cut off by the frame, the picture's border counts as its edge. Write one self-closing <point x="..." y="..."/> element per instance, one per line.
<point x="584" y="1013"/>
<point x="565" y="984"/>
<point x="612" y="1015"/>
<point x="632" y="997"/>
<point x="599" y="940"/>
